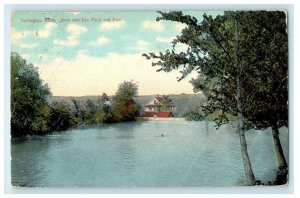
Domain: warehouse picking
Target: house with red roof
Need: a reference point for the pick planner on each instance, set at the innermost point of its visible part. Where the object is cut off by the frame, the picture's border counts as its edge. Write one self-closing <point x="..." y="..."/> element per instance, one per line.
<point x="158" y="108"/>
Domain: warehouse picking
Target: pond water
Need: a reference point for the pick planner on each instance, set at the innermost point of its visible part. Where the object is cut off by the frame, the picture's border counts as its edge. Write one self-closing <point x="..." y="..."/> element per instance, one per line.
<point x="136" y="154"/>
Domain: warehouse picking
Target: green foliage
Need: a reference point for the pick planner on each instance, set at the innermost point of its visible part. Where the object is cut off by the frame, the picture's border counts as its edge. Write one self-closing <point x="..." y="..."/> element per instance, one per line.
<point x="40" y="125"/>
<point x="164" y="103"/>
<point x="90" y="112"/>
<point x="29" y="107"/>
<point x="267" y="105"/>
<point x="78" y="112"/>
<point x="31" y="113"/>
<point x="125" y="110"/>
<point x="101" y="115"/>
<point x="210" y="52"/>
<point x="216" y="115"/>
<point x="194" y="116"/>
<point x="61" y="117"/>
<point x="213" y="49"/>
<point x="127" y="90"/>
<point x="104" y="115"/>
<point x="199" y="116"/>
<point x="241" y="59"/>
<point x="124" y="107"/>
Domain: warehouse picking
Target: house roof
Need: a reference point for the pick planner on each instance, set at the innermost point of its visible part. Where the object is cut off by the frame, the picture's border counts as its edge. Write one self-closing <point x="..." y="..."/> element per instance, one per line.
<point x="159" y="99"/>
<point x="155" y="101"/>
<point x="159" y="114"/>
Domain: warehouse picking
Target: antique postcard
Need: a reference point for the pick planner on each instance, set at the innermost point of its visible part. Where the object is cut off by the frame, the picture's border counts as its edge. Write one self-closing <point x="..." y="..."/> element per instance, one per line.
<point x="149" y="98"/>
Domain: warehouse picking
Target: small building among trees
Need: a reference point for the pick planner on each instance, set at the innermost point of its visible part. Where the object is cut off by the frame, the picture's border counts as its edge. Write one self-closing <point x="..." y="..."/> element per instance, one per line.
<point x="161" y="107"/>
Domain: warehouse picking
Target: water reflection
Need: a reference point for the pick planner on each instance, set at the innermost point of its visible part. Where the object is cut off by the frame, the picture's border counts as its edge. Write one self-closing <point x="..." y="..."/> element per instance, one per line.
<point x="27" y="158"/>
<point x="123" y="150"/>
<point x="135" y="154"/>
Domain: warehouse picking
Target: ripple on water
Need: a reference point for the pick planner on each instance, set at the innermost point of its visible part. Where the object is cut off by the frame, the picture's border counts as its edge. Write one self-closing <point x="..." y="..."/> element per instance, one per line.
<point x="135" y="154"/>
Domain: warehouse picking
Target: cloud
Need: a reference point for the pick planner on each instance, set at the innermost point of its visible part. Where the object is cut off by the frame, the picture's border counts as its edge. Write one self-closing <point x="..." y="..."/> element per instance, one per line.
<point x="100" y="41"/>
<point x="28" y="45"/>
<point x="45" y="32"/>
<point x="112" y="25"/>
<point x="71" y="41"/>
<point x="140" y="47"/>
<point x="45" y="58"/>
<point x="179" y="26"/>
<point x="16" y="39"/>
<point x="75" y="29"/>
<point x="88" y="75"/>
<point x="142" y="43"/>
<point x="15" y="36"/>
<point x="74" y="32"/>
<point x="164" y="40"/>
<point x="153" y="25"/>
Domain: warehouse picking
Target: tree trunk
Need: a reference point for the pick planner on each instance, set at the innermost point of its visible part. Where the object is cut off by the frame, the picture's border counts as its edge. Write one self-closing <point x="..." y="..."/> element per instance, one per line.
<point x="244" y="150"/>
<point x="279" y="152"/>
<point x="246" y="160"/>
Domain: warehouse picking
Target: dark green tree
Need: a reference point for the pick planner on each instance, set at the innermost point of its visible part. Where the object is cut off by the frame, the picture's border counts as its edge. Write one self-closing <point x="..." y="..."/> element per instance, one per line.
<point x="61" y="117"/>
<point x="267" y="105"/>
<point x="265" y="46"/>
<point x="223" y="51"/>
<point x="78" y="111"/>
<point x="90" y="112"/>
<point x="124" y="107"/>
<point x="101" y="115"/>
<point x="29" y="107"/>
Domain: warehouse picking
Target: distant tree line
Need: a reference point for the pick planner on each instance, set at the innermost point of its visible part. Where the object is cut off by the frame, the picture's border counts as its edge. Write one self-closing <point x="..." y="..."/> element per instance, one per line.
<point x="31" y="114"/>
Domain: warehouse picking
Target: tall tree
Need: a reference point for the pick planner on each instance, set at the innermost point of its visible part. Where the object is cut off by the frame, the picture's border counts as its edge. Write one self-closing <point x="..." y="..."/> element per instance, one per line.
<point x="264" y="52"/>
<point x="124" y="107"/>
<point x="213" y="50"/>
<point x="228" y="74"/>
<point x="29" y="107"/>
<point x="268" y="106"/>
<point x="247" y="165"/>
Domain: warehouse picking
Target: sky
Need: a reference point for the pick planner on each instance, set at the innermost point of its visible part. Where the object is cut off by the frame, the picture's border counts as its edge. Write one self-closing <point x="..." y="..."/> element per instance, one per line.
<point x="88" y="53"/>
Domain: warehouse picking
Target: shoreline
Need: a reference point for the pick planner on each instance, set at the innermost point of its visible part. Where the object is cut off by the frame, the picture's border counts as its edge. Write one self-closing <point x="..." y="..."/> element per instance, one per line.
<point x="163" y="119"/>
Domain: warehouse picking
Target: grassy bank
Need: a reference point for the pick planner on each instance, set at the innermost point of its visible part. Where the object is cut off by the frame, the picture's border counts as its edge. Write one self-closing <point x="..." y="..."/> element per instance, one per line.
<point x="211" y="117"/>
